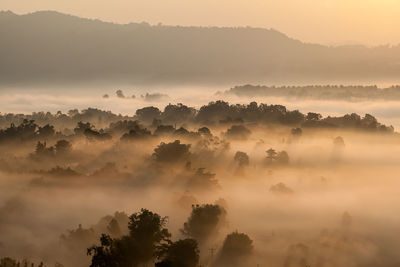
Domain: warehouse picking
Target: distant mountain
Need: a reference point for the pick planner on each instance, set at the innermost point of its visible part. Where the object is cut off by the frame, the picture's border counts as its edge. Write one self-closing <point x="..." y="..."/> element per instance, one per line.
<point x="50" y="47"/>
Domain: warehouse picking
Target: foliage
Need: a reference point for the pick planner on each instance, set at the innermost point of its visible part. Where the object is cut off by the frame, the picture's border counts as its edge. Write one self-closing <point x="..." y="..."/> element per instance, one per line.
<point x="182" y="253"/>
<point x="171" y="152"/>
<point x="147" y="236"/>
<point x="237" y="247"/>
<point x="204" y="221"/>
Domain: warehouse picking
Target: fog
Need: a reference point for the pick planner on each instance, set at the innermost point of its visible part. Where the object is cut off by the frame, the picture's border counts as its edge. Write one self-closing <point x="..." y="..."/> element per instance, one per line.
<point x="53" y="99"/>
<point x="331" y="201"/>
<point x="143" y="144"/>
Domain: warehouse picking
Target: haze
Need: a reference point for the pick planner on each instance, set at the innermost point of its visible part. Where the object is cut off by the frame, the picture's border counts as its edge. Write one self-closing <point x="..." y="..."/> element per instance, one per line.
<point x="369" y="22"/>
<point x="262" y="136"/>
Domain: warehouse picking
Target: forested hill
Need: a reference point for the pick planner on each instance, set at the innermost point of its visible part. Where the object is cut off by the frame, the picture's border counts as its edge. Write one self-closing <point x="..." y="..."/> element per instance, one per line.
<point x="336" y="92"/>
<point x="52" y="47"/>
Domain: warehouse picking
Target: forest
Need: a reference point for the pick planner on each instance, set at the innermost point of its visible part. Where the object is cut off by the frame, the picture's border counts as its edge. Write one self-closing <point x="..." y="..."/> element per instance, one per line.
<point x="321" y="92"/>
<point x="221" y="185"/>
<point x="205" y="133"/>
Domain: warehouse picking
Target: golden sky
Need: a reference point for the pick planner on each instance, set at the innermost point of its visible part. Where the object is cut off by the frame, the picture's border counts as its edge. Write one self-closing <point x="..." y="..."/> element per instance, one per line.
<point x="370" y="22"/>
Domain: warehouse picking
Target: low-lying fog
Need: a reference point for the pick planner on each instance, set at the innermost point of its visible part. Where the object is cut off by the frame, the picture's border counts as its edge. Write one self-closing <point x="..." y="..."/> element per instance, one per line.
<point x="17" y="100"/>
<point x="331" y="200"/>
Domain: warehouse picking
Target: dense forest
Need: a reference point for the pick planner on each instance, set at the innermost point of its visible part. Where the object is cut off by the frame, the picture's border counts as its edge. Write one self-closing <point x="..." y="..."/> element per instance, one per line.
<point x="63" y="173"/>
<point x="321" y="92"/>
<point x="214" y="113"/>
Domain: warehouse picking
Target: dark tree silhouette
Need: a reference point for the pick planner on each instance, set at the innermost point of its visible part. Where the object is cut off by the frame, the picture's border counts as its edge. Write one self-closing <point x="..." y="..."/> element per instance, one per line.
<point x="42" y="150"/>
<point x="147" y="236"/>
<point x="120" y="94"/>
<point x="46" y="131"/>
<point x="238" y="132"/>
<point x="311" y="116"/>
<point x="94" y="135"/>
<point x="271" y="154"/>
<point x="9" y="262"/>
<point x="148" y="114"/>
<point x="242" y="159"/>
<point x="171" y="152"/>
<point x="79" y="238"/>
<point x="182" y="253"/>
<point x="63" y="147"/>
<point x="82" y="127"/>
<point x="178" y="113"/>
<point x="204" y="221"/>
<point x="136" y="134"/>
<point x="282" y="157"/>
<point x="236" y="249"/>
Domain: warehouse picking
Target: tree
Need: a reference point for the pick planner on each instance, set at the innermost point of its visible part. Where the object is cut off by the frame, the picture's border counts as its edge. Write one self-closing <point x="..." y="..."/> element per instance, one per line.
<point x="63" y="146"/>
<point x="96" y="135"/>
<point x="79" y="238"/>
<point x="147" y="236"/>
<point x="8" y="262"/>
<point x="46" y="131"/>
<point x="120" y="94"/>
<point x="311" y="116"/>
<point x="204" y="221"/>
<point x="171" y="152"/>
<point x="282" y="157"/>
<point x="148" y="114"/>
<point x="178" y="113"/>
<point x="42" y="149"/>
<point x="271" y="154"/>
<point x="242" y="158"/>
<point x="338" y="142"/>
<point x="238" y="132"/>
<point x="296" y="132"/>
<point x="237" y="247"/>
<point x="81" y="127"/>
<point x="182" y="253"/>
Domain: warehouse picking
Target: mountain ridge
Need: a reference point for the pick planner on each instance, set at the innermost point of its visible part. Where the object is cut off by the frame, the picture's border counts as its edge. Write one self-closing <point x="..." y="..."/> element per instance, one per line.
<point x="53" y="47"/>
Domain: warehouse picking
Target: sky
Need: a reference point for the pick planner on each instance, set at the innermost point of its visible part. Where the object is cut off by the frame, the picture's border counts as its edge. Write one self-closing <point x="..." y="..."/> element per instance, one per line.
<point x="333" y="22"/>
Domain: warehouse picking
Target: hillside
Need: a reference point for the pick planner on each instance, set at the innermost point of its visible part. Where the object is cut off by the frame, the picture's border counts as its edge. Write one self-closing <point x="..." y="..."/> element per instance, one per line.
<point x="50" y="47"/>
